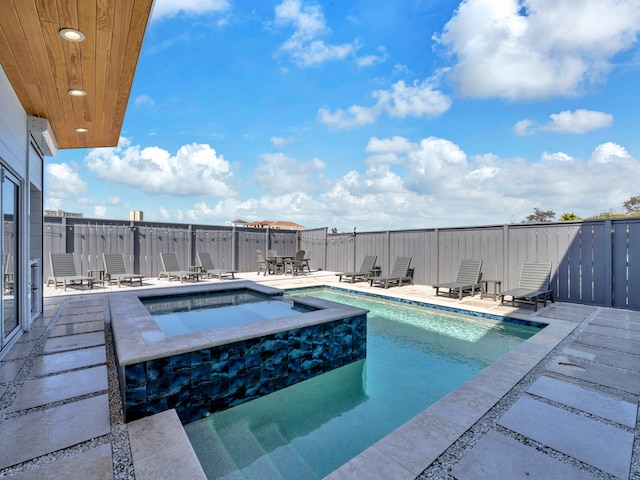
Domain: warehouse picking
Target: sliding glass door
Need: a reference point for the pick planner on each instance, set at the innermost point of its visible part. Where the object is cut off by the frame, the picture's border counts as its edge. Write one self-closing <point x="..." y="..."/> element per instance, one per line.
<point x="9" y="191"/>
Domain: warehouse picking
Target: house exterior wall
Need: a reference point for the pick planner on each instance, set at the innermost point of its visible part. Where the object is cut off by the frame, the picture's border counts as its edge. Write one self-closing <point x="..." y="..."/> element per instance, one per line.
<point x="23" y="160"/>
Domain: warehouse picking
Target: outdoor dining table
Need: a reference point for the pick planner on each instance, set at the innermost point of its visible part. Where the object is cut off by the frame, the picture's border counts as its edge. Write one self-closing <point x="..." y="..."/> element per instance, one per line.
<point x="276" y="260"/>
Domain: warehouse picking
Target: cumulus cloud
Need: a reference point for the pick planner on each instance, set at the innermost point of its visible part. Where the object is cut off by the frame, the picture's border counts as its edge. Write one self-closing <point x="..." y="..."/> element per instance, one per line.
<point x="577" y="122"/>
<point x="304" y="46"/>
<point x="64" y="182"/>
<point x="170" y="8"/>
<point x="195" y="169"/>
<point x="420" y="100"/>
<point x="527" y="49"/>
<point x="280" y="173"/>
<point x="281" y="141"/>
<point x="370" y="60"/>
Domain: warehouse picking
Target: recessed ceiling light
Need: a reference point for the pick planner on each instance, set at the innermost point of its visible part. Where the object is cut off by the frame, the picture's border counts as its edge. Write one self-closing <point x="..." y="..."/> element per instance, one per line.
<point x="76" y="92"/>
<point x="82" y="130"/>
<point x="71" y="35"/>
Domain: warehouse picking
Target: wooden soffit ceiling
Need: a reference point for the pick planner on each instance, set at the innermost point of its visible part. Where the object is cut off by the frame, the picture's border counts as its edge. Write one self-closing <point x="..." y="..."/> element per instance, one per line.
<point x="42" y="67"/>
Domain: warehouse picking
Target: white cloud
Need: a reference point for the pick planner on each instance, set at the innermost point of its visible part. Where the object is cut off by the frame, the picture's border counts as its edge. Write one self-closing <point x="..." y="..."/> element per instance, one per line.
<point x="64" y="182"/>
<point x="99" y="211"/>
<point x="577" y="122"/>
<point x="395" y="144"/>
<point x="525" y="49"/>
<point x="580" y="121"/>
<point x="281" y="141"/>
<point x="144" y="100"/>
<point x="370" y="60"/>
<point x="195" y="169"/>
<point x="610" y="153"/>
<point x="304" y="46"/>
<point x="419" y="100"/>
<point x="171" y="8"/>
<point x="524" y="127"/>
<point x="280" y="173"/>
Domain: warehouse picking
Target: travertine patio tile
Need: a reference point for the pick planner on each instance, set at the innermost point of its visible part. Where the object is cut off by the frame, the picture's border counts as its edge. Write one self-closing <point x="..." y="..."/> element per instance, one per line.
<point x="499" y="457"/>
<point x="94" y="464"/>
<point x="627" y="381"/>
<point x="569" y="314"/>
<point x="61" y="330"/>
<point x="45" y="431"/>
<point x="160" y="449"/>
<point x="70" y="342"/>
<point x="623" y="324"/>
<point x="597" y="403"/>
<point x="600" y="445"/>
<point x="371" y="465"/>
<point x="59" y="362"/>
<point x="55" y="388"/>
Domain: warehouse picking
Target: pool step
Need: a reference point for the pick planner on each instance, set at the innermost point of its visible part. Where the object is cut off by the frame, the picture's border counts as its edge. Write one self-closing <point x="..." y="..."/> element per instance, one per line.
<point x="214" y="457"/>
<point x="283" y="453"/>
<point x="247" y="453"/>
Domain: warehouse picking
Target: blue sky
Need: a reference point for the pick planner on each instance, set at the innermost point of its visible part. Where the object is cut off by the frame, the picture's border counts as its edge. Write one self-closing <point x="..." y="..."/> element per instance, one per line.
<point x="374" y="115"/>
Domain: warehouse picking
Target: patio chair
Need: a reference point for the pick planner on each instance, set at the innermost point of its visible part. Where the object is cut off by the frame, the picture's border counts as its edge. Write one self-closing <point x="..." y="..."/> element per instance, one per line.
<point x="207" y="268"/>
<point x="467" y="280"/>
<point x="296" y="264"/>
<point x="399" y="274"/>
<point x="277" y="261"/>
<point x="365" y="270"/>
<point x="533" y="285"/>
<point x="115" y="271"/>
<point x="171" y="269"/>
<point x="266" y="265"/>
<point x="65" y="273"/>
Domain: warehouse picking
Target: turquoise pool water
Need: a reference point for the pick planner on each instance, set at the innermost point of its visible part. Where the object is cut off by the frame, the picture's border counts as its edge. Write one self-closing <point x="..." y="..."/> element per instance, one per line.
<point x="415" y="356"/>
<point x="183" y="314"/>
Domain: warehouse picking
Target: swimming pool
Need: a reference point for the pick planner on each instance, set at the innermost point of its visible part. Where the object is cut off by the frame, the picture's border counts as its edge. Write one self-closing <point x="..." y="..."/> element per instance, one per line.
<point x="415" y="356"/>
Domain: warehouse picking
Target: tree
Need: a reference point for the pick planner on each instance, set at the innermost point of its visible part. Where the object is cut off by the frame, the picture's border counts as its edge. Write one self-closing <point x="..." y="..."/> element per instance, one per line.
<point x="540" y="216"/>
<point x="567" y="217"/>
<point x="632" y="206"/>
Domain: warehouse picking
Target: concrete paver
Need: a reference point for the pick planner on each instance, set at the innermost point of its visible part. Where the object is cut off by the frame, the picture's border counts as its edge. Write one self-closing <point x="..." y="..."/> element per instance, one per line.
<point x="600" y="445"/>
<point x="59" y="362"/>
<point x="69" y="342"/>
<point x="41" y="432"/>
<point x="55" y="388"/>
<point x="591" y="401"/>
<point x="499" y="457"/>
<point x="627" y="381"/>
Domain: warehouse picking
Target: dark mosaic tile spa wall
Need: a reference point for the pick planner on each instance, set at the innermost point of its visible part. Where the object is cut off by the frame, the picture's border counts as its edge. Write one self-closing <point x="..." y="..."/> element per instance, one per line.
<point x="217" y="378"/>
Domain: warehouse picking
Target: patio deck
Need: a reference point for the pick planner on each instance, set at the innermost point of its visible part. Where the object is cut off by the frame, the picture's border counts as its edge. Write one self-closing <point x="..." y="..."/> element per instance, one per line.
<point x="561" y="405"/>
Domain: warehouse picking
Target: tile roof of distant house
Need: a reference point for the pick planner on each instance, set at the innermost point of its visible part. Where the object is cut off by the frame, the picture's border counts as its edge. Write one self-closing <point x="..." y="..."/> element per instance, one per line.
<point x="277" y="224"/>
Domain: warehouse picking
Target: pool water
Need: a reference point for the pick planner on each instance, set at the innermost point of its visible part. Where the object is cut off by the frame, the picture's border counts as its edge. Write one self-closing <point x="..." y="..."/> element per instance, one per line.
<point x="184" y="314"/>
<point x="415" y="356"/>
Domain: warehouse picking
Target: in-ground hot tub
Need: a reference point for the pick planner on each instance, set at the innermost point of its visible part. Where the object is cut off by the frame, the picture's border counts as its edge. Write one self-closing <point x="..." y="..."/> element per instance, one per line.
<point x="213" y="369"/>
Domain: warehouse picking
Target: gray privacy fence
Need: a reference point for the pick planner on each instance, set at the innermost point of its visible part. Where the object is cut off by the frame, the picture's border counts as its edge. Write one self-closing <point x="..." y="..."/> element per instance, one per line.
<point x="593" y="262"/>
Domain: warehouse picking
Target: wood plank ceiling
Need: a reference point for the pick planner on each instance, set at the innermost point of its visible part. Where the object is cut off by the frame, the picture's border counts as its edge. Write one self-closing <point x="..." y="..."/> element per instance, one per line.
<point x="42" y="67"/>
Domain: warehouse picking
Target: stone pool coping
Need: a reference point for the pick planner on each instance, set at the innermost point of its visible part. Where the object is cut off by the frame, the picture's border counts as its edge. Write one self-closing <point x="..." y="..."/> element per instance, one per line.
<point x="138" y="338"/>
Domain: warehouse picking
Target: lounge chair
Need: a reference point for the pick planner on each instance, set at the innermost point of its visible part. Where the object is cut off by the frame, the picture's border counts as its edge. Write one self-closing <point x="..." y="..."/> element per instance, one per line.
<point x="399" y="274"/>
<point x="171" y="269"/>
<point x="65" y="273"/>
<point x="533" y="286"/>
<point x="467" y="280"/>
<point x="206" y="264"/>
<point x="115" y="271"/>
<point x="365" y="270"/>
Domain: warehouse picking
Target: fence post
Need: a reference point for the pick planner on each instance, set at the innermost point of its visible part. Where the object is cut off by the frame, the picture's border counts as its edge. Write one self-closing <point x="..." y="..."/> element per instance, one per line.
<point x="608" y="259"/>
<point x="505" y="257"/>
